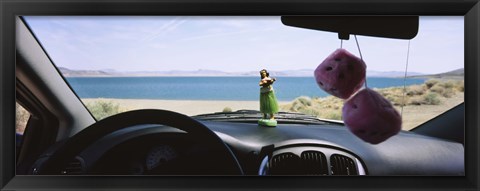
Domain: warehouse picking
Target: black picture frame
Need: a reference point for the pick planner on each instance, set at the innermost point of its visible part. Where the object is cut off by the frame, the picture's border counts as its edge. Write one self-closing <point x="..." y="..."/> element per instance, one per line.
<point x="9" y="9"/>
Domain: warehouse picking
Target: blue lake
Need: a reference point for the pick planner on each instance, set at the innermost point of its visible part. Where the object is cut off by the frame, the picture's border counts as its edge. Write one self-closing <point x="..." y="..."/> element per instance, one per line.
<point x="207" y="88"/>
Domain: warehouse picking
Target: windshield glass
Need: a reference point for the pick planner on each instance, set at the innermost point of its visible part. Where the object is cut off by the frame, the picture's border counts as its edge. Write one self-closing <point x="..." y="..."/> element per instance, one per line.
<point x="199" y="65"/>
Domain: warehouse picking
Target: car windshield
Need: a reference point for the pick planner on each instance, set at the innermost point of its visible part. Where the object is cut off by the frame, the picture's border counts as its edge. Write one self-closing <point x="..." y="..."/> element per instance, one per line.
<point x="198" y="65"/>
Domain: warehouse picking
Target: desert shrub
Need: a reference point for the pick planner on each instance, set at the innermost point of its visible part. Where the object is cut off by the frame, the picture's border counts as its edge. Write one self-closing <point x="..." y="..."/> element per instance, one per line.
<point x="391" y="98"/>
<point x="460" y="85"/>
<point x="327" y="107"/>
<point x="297" y="106"/>
<point x="430" y="83"/>
<point x="391" y="94"/>
<point x="317" y="101"/>
<point x="101" y="108"/>
<point x="383" y="93"/>
<point x="309" y="111"/>
<point x="437" y="89"/>
<point x="227" y="109"/>
<point x="417" y="101"/>
<point x="431" y="99"/>
<point x="329" y="102"/>
<point x="415" y="90"/>
<point x="304" y="100"/>
<point x="447" y="85"/>
<point x="448" y="93"/>
<point x="335" y="115"/>
<point x="401" y="101"/>
<point x="286" y="107"/>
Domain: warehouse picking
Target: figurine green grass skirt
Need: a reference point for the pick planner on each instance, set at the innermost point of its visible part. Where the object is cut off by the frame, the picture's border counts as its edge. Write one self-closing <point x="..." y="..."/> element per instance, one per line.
<point x="268" y="103"/>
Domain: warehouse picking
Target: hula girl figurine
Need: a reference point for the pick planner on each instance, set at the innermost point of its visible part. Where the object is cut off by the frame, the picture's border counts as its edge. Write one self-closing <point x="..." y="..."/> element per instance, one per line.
<point x="268" y="101"/>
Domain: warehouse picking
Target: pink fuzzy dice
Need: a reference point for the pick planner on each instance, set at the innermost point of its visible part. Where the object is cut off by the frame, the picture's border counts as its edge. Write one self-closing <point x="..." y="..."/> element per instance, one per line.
<point x="341" y="74"/>
<point x="371" y="117"/>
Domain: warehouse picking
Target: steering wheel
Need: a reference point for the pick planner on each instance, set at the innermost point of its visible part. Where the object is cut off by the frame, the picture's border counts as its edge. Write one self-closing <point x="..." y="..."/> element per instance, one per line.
<point x="225" y="165"/>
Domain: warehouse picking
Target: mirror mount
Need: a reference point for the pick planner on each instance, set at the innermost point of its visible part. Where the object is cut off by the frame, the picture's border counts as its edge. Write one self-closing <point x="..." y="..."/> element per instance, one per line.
<point x="397" y="27"/>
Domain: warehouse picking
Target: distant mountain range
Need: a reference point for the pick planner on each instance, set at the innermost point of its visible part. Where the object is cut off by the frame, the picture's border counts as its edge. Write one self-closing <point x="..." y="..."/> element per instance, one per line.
<point x="109" y="72"/>
<point x="81" y="73"/>
<point x="373" y="73"/>
<point x="458" y="73"/>
<point x="302" y="72"/>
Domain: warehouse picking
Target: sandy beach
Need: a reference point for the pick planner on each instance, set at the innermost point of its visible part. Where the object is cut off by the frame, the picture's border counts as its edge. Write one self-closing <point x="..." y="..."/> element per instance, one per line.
<point x="412" y="115"/>
<point x="187" y="107"/>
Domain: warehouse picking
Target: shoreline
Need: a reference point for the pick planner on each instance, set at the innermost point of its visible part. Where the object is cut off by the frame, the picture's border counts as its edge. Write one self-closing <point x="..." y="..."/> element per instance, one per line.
<point x="187" y="107"/>
<point x="412" y="115"/>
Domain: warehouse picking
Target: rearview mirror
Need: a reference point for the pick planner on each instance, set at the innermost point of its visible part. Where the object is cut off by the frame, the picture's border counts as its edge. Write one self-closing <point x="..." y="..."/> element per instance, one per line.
<point x="398" y="27"/>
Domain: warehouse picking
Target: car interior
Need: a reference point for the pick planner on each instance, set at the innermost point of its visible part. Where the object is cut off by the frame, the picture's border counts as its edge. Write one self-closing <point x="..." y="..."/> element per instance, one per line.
<point x="63" y="138"/>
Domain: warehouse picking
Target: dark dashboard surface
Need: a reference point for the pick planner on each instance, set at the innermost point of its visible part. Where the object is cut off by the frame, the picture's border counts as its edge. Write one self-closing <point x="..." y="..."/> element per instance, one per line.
<point x="404" y="154"/>
<point x="288" y="149"/>
<point x="285" y="149"/>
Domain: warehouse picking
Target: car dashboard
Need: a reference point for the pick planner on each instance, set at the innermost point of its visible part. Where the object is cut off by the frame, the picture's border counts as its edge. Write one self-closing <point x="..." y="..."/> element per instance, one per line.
<point x="333" y="150"/>
<point x="288" y="149"/>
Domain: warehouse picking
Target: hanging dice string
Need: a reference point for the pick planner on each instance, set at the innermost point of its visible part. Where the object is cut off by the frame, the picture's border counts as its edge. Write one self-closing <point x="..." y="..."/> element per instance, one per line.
<point x="361" y="57"/>
<point x="405" y="79"/>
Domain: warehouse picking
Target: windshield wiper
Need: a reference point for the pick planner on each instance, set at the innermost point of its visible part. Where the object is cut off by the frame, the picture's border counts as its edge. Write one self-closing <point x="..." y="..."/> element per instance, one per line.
<point x="254" y="115"/>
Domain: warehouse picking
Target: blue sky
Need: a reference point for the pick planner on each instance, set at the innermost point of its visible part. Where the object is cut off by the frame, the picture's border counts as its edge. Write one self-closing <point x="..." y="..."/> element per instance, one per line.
<point x="232" y="44"/>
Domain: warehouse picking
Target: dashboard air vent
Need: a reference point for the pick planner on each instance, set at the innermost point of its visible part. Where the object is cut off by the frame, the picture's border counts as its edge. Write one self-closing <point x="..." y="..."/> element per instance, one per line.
<point x="342" y="165"/>
<point x="285" y="164"/>
<point x="314" y="163"/>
